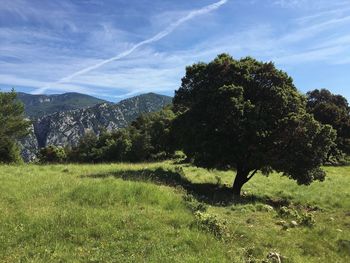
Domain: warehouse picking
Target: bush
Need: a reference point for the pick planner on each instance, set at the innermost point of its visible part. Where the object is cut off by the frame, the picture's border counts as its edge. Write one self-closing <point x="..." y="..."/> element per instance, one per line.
<point x="307" y="219"/>
<point x="52" y="154"/>
<point x="302" y="218"/>
<point x="212" y="224"/>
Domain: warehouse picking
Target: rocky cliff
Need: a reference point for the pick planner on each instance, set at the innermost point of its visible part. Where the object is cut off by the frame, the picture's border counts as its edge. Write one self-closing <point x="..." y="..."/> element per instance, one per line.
<point x="66" y="127"/>
<point x="29" y="146"/>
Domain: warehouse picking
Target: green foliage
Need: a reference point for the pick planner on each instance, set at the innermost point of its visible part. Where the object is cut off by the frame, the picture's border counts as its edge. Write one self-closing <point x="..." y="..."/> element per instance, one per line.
<point x="9" y="151"/>
<point x="52" y="154"/>
<point x="248" y="115"/>
<point x="303" y="218"/>
<point x="152" y="135"/>
<point x="107" y="147"/>
<point x="86" y="149"/>
<point x="334" y="110"/>
<point x="13" y="127"/>
<point x="115" y="146"/>
<point x="288" y="212"/>
<point x="147" y="138"/>
<point x="212" y="224"/>
<point x="307" y="219"/>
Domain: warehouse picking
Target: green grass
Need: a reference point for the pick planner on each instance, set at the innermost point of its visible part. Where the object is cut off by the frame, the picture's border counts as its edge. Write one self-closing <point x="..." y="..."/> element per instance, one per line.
<point x="148" y="213"/>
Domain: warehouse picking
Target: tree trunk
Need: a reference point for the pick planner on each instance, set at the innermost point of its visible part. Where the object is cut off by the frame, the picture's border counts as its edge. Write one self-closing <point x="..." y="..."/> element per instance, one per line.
<point x="240" y="180"/>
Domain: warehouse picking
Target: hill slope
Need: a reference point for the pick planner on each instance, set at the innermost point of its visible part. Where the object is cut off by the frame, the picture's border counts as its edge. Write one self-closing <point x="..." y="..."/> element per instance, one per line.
<point x="40" y="105"/>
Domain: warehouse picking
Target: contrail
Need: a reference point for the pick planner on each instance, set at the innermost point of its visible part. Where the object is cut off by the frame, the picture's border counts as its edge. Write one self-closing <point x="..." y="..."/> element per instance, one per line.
<point x="155" y="38"/>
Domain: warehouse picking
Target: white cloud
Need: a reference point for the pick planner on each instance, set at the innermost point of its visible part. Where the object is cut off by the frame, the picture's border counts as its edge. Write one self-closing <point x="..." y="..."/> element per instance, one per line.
<point x="169" y="29"/>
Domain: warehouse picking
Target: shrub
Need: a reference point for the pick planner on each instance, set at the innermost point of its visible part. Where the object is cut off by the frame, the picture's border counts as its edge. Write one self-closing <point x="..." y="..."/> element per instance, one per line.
<point x="302" y="218"/>
<point x="289" y="212"/>
<point x="307" y="219"/>
<point x="52" y="154"/>
<point x="212" y="224"/>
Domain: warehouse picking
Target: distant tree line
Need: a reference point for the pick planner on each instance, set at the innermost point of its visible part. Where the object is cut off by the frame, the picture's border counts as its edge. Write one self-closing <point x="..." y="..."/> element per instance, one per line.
<point x="148" y="138"/>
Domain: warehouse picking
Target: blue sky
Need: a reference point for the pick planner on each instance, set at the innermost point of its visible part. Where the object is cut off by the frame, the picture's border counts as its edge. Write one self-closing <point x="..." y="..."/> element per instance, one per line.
<point x="114" y="49"/>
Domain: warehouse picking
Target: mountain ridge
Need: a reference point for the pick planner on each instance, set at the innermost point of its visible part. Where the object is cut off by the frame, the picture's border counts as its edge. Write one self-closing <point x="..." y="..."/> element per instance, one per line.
<point x="39" y="105"/>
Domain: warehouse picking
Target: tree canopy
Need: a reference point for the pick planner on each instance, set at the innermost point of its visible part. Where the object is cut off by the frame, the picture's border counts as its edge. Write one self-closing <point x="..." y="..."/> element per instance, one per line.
<point x="334" y="110"/>
<point x="248" y="115"/>
<point x="13" y="126"/>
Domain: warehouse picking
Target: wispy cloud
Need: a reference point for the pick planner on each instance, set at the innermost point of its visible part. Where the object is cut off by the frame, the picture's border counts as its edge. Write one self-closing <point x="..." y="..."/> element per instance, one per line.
<point x="153" y="39"/>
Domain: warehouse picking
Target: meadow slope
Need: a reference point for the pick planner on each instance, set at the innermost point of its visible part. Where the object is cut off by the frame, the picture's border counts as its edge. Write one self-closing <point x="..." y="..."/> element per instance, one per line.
<point x="165" y="212"/>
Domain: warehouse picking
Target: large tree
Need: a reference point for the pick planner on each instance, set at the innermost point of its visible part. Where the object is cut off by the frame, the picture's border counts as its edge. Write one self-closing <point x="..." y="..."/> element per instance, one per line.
<point x="248" y="115"/>
<point x="13" y="126"/>
<point x="334" y="110"/>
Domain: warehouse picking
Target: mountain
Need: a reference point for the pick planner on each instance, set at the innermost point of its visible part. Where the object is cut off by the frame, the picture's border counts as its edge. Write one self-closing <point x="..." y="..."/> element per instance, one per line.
<point x="40" y="105"/>
<point x="145" y="103"/>
<point x="67" y="127"/>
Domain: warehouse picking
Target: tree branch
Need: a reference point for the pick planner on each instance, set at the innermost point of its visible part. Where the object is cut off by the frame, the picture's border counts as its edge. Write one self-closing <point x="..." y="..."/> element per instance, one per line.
<point x="253" y="173"/>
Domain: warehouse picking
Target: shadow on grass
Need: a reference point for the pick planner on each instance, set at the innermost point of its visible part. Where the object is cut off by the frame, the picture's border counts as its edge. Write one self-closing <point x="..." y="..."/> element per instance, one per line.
<point x="209" y="193"/>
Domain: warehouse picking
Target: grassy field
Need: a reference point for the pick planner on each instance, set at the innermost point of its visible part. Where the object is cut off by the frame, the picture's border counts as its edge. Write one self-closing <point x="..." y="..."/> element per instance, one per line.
<point x="162" y="212"/>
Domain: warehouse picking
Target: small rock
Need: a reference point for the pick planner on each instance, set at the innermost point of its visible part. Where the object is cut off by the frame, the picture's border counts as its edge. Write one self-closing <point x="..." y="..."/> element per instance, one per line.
<point x="339" y="230"/>
<point x="293" y="223"/>
<point x="331" y="218"/>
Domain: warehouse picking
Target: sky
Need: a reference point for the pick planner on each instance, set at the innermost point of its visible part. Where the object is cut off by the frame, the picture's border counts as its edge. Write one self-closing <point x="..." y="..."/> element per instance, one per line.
<point x="114" y="49"/>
